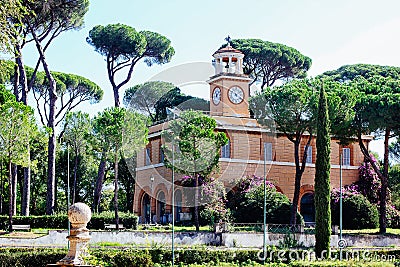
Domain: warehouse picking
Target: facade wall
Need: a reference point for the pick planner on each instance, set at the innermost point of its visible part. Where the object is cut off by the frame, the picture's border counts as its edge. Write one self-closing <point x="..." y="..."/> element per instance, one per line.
<point x="246" y="159"/>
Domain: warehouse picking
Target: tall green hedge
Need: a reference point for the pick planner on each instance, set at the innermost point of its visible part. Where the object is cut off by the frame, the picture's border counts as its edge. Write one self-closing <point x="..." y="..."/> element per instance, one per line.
<point x="60" y="221"/>
<point x="28" y="257"/>
<point x="322" y="178"/>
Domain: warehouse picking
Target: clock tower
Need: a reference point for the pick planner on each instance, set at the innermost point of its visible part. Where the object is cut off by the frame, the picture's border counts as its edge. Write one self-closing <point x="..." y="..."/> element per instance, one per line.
<point x="229" y="87"/>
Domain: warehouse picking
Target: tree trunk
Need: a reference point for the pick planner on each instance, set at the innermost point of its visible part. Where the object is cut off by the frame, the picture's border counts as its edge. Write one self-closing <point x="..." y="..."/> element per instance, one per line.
<point x="75" y="177"/>
<point x="26" y="195"/>
<point x="99" y="184"/>
<point x="11" y="191"/>
<point x="196" y="203"/>
<point x="382" y="177"/>
<point x="51" y="158"/>
<point x="1" y="187"/>
<point x="16" y="82"/>
<point x="116" y="97"/>
<point x="384" y="185"/>
<point x="51" y="180"/>
<point x="14" y="185"/>
<point x="296" y="196"/>
<point x="297" y="182"/>
<point x="23" y="82"/>
<point x="116" y="189"/>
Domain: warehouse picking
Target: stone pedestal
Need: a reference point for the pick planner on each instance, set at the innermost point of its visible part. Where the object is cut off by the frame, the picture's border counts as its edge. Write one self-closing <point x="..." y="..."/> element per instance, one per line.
<point x="79" y="215"/>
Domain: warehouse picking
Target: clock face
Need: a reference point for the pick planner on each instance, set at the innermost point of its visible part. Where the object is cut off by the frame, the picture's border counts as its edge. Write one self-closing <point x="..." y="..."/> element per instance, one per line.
<point x="235" y="94"/>
<point x="216" y="97"/>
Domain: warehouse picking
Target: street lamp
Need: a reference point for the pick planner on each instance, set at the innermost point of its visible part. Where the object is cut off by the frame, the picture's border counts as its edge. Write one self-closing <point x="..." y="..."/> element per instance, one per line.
<point x="265" y="204"/>
<point x="340" y="207"/>
<point x="151" y="196"/>
<point x="169" y="112"/>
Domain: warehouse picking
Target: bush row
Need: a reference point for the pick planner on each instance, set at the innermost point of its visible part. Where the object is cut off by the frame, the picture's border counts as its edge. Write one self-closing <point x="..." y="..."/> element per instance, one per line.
<point x="60" y="221"/>
<point x="160" y="257"/>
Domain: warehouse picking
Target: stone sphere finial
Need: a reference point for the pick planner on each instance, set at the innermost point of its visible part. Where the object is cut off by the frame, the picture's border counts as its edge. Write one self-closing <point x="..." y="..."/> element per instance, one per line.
<point x="79" y="213"/>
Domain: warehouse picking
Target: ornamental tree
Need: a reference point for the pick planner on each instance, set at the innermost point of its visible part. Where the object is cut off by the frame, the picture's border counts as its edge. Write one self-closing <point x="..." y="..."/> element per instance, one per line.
<point x="123" y="47"/>
<point x="119" y="133"/>
<point x="49" y="20"/>
<point x="292" y="108"/>
<point x="77" y="128"/>
<point x="322" y="178"/>
<point x="376" y="112"/>
<point x="268" y="62"/>
<point x="192" y="147"/>
<point x="17" y="127"/>
<point x="143" y="97"/>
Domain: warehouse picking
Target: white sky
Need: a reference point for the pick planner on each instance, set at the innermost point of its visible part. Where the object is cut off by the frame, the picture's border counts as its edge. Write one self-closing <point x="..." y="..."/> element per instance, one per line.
<point x="331" y="33"/>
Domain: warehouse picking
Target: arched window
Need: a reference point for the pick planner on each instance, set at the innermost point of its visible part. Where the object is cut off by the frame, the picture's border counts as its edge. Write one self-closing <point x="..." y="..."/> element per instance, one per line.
<point x="161" y="207"/>
<point x="178" y="205"/>
<point x="307" y="207"/>
<point x="146" y="209"/>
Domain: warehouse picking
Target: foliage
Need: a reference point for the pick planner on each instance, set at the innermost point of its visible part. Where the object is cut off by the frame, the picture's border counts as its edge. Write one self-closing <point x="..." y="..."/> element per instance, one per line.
<point x="123" y="47"/>
<point x="196" y="142"/>
<point x="369" y="183"/>
<point x="354" y="203"/>
<point x="214" y="197"/>
<point x="71" y="90"/>
<point x="369" y="186"/>
<point x="77" y="127"/>
<point x="152" y="98"/>
<point x="393" y="216"/>
<point x="268" y="62"/>
<point x="17" y="127"/>
<point x="60" y="221"/>
<point x="120" y="129"/>
<point x="10" y="11"/>
<point x="394" y="184"/>
<point x="29" y="257"/>
<point x="120" y="133"/>
<point x="174" y="98"/>
<point x="247" y="198"/>
<point x="143" y="97"/>
<point x="376" y="112"/>
<point x="292" y="109"/>
<point x="192" y="147"/>
<point x="322" y="178"/>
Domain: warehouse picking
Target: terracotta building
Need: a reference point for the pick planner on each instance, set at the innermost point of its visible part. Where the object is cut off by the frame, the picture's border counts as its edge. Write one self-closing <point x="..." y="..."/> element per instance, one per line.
<point x="251" y="150"/>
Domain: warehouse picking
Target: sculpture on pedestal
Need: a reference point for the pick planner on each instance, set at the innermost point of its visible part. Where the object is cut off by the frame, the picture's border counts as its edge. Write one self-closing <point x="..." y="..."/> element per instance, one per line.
<point x="79" y="215"/>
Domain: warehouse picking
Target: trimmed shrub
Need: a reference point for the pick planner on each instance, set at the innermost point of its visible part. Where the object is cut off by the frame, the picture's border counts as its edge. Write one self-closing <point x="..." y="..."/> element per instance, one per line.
<point x="28" y="257"/>
<point x="393" y="216"/>
<point x="60" y="221"/>
<point x="358" y="212"/>
<point x="247" y="202"/>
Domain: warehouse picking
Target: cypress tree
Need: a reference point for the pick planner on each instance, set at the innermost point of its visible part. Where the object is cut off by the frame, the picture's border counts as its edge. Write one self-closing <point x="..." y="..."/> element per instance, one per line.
<point x="322" y="178"/>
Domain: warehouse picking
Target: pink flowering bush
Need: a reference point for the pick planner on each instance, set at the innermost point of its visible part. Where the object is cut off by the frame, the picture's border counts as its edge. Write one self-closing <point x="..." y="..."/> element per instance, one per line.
<point x="363" y="198"/>
<point x="214" y="197"/>
<point x="369" y="183"/>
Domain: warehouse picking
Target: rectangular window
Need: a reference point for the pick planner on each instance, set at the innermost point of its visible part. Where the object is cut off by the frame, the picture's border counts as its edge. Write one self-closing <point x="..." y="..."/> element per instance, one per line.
<point x="309" y="155"/>
<point x="226" y="150"/>
<point x="346" y="156"/>
<point x="268" y="151"/>
<point x="148" y="156"/>
<point x="162" y="156"/>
